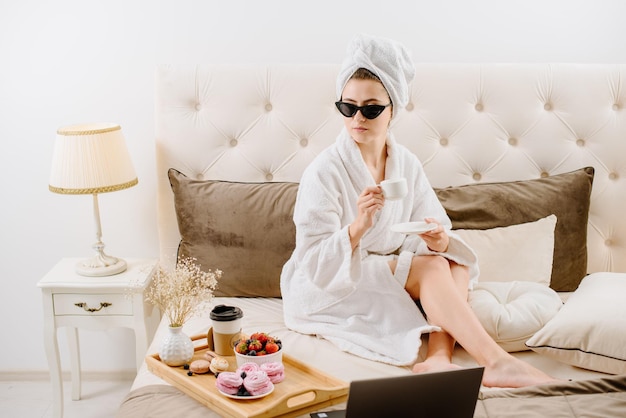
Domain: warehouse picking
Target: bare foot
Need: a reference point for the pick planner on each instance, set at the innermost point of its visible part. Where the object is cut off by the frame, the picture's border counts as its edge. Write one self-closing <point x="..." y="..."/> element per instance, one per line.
<point x="430" y="365"/>
<point x="512" y="372"/>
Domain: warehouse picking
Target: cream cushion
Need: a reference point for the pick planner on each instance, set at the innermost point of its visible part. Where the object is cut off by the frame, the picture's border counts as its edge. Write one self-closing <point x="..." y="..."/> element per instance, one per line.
<point x="511" y="312"/>
<point x="514" y="253"/>
<point x="590" y="330"/>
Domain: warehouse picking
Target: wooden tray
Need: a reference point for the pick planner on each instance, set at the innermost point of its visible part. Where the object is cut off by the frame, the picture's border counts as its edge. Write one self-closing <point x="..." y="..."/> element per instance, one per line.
<point x="305" y="388"/>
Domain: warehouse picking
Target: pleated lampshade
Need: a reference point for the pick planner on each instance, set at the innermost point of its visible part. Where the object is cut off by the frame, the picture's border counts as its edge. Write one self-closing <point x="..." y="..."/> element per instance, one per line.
<point x="89" y="159"/>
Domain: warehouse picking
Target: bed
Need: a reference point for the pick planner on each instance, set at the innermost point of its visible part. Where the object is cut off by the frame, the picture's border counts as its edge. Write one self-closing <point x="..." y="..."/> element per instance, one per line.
<point x="504" y="145"/>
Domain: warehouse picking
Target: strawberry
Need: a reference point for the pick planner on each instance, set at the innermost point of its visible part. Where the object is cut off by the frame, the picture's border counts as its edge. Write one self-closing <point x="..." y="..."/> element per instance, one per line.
<point x="255" y="345"/>
<point x="241" y="347"/>
<point x="260" y="336"/>
<point x="271" y="347"/>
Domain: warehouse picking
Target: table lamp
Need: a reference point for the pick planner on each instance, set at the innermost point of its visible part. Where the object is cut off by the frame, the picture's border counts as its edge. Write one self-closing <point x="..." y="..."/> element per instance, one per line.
<point x="92" y="159"/>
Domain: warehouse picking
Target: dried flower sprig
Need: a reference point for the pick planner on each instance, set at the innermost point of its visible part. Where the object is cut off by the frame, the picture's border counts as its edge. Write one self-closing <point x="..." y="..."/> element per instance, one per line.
<point x="183" y="291"/>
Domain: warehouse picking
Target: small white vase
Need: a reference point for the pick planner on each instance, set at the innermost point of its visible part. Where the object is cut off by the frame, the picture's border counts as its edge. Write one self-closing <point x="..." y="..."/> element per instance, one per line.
<point x="176" y="348"/>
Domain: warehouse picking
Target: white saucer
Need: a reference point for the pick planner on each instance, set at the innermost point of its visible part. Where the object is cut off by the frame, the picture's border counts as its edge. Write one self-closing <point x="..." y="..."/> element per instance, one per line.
<point x="248" y="397"/>
<point x="413" y="227"/>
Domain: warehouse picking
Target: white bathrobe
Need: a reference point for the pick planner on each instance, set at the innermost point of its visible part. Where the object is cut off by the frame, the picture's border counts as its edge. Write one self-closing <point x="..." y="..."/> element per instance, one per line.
<point x="351" y="297"/>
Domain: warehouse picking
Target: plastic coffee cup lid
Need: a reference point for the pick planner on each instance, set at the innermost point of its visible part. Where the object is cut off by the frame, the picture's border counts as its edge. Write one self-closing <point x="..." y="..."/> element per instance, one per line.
<point x="226" y="313"/>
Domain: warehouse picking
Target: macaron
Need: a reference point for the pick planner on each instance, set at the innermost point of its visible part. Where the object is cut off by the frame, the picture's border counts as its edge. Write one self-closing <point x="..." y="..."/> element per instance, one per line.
<point x="219" y="365"/>
<point x="199" y="366"/>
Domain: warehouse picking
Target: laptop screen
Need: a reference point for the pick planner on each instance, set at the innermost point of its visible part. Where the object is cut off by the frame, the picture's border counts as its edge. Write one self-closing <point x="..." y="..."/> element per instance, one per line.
<point x="443" y="394"/>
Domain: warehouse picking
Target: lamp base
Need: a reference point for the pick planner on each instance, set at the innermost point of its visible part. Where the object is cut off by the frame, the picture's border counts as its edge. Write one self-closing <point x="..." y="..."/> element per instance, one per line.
<point x="100" y="266"/>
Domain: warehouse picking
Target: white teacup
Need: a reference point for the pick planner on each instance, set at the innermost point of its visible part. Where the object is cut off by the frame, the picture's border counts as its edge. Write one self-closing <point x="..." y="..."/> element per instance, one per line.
<point x="394" y="189"/>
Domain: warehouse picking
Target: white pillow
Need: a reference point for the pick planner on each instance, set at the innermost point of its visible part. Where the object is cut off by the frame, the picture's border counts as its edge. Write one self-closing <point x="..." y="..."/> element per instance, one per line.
<point x="590" y="329"/>
<point x="512" y="312"/>
<point x="514" y="253"/>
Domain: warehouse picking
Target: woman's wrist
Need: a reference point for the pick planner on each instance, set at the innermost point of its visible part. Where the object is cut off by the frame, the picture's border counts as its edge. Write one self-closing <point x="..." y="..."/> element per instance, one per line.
<point x="354" y="235"/>
<point x="446" y="241"/>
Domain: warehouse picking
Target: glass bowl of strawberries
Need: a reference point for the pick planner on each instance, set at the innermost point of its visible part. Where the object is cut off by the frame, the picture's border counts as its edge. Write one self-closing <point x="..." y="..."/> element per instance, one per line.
<point x="258" y="348"/>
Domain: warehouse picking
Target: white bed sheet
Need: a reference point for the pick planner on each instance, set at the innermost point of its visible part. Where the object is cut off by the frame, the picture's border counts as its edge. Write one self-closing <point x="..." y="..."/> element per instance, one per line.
<point x="265" y="314"/>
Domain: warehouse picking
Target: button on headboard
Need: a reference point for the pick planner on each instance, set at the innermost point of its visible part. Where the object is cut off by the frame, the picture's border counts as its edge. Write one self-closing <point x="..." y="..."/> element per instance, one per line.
<point x="467" y="123"/>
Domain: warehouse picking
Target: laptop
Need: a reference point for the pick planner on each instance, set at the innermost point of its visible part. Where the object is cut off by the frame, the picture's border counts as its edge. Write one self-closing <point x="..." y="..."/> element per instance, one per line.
<point x="451" y="393"/>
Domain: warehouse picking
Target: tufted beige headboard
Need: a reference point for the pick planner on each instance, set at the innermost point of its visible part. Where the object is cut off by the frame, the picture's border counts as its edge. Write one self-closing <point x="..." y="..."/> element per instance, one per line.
<point x="467" y="123"/>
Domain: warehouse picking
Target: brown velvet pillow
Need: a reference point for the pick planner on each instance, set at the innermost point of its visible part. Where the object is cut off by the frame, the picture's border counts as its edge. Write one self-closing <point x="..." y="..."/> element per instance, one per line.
<point x="490" y="205"/>
<point x="244" y="229"/>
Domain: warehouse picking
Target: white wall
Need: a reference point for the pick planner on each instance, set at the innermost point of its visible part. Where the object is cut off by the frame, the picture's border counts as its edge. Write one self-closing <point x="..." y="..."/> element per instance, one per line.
<point x="72" y="61"/>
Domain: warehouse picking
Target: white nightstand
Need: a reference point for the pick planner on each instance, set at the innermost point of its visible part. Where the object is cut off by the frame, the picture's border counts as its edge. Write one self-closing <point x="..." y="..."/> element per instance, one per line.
<point x="98" y="303"/>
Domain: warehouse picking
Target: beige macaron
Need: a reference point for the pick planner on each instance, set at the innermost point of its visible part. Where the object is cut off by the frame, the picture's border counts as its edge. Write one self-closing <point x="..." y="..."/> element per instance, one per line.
<point x="219" y="364"/>
<point x="200" y="366"/>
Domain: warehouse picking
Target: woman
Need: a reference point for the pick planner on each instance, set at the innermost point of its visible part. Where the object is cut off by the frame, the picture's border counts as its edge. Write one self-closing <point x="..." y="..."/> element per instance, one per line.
<point x="354" y="281"/>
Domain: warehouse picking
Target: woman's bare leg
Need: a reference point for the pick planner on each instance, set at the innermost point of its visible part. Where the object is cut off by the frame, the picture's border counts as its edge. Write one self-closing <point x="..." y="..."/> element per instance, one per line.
<point x="441" y="344"/>
<point x="431" y="281"/>
<point x="438" y="354"/>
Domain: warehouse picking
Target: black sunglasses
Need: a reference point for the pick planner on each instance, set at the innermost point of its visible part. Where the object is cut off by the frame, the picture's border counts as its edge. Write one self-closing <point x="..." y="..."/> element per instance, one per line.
<point x="369" y="111"/>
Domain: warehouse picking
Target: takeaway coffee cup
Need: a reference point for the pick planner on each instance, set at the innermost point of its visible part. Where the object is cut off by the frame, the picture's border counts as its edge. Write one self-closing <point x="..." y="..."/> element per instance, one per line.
<point x="394" y="189"/>
<point x="226" y="324"/>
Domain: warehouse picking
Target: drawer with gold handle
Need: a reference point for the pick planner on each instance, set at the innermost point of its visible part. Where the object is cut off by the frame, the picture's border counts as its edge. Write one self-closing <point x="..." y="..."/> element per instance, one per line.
<point x="92" y="304"/>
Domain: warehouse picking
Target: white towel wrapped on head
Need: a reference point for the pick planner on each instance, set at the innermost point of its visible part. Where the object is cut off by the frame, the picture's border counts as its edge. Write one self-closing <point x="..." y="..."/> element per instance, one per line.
<point x="386" y="58"/>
